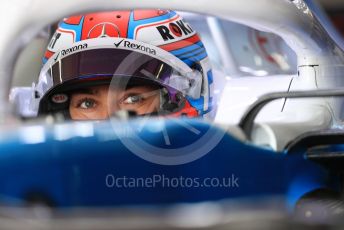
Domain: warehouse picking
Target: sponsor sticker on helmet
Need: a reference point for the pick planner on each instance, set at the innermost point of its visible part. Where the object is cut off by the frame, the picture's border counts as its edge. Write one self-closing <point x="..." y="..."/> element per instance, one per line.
<point x="60" y="39"/>
<point x="175" y="30"/>
<point x="134" y="46"/>
<point x="164" y="33"/>
<point x="74" y="49"/>
<point x="59" y="98"/>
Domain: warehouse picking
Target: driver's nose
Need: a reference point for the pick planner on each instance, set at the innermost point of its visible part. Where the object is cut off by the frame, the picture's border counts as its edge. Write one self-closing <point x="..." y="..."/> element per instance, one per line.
<point x="112" y="103"/>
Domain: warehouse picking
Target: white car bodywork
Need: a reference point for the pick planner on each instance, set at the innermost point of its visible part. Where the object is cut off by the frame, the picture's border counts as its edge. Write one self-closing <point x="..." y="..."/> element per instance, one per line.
<point x="319" y="59"/>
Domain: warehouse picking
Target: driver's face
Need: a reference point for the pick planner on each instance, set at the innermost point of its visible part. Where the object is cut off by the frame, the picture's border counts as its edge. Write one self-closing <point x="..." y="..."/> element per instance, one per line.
<point x="99" y="102"/>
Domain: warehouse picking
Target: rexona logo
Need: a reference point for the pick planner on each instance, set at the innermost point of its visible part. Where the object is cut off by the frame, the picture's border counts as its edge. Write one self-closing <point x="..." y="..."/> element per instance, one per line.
<point x="134" y="46"/>
<point x="73" y="49"/>
<point x="174" y="30"/>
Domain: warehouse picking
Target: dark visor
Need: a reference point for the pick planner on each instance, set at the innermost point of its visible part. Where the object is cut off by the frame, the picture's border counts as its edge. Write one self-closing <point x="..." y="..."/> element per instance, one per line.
<point x="109" y="63"/>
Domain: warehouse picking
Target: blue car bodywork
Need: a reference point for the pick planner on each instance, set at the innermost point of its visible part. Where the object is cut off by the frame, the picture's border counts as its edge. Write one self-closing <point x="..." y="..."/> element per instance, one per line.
<point x="80" y="170"/>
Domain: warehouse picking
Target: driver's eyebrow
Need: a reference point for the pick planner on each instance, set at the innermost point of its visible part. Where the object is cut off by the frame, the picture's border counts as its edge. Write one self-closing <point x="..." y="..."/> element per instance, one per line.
<point x="149" y="94"/>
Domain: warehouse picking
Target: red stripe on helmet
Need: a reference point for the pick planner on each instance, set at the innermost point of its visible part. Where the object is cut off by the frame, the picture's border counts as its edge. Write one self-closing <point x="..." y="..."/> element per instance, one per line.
<point x="145" y="14"/>
<point x="48" y="54"/>
<point x="188" y="111"/>
<point x="181" y="44"/>
<point x="72" y="32"/>
<point x="74" y="20"/>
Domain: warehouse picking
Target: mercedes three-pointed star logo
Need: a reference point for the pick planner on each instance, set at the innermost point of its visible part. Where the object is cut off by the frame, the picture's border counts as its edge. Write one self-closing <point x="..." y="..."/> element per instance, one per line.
<point x="105" y="28"/>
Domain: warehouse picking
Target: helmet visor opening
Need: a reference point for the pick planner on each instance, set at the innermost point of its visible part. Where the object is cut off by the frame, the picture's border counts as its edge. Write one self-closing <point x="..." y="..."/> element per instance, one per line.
<point x="114" y="65"/>
<point x="119" y="68"/>
<point x="97" y="63"/>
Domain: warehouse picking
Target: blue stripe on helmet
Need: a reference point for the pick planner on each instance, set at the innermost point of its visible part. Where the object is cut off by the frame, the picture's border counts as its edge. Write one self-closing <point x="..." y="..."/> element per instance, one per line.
<point x="133" y="24"/>
<point x="192" y="54"/>
<point x="76" y="28"/>
<point x="187" y="49"/>
<point x="190" y="61"/>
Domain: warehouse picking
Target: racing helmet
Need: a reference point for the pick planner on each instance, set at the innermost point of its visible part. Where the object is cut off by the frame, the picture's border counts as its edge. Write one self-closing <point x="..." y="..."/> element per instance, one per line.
<point x="155" y="47"/>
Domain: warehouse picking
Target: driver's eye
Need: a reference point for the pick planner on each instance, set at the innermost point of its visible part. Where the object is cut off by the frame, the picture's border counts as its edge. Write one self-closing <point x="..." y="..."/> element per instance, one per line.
<point x="134" y="99"/>
<point x="86" y="103"/>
